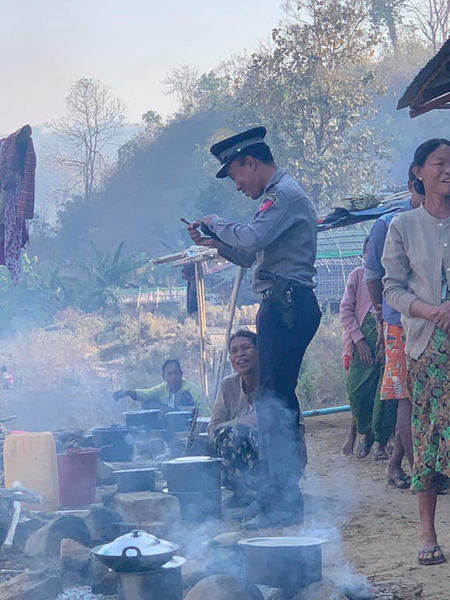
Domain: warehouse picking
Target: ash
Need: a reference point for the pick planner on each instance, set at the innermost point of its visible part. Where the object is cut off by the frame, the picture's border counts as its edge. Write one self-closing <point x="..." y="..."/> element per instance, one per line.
<point x="82" y="593"/>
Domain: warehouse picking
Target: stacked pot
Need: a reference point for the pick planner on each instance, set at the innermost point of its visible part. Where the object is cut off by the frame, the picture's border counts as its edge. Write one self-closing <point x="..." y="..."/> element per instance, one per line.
<point x="196" y="482"/>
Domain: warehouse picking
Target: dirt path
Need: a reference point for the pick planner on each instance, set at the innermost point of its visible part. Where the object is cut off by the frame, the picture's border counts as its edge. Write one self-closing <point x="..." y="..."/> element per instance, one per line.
<point x="378" y="524"/>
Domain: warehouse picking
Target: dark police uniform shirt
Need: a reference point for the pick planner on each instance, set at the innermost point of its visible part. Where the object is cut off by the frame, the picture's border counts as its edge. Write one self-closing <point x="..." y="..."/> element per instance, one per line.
<point x="280" y="239"/>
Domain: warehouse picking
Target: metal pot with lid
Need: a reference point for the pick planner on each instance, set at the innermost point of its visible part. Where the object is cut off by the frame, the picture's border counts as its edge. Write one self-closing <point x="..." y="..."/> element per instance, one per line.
<point x="134" y="552"/>
<point x="193" y="474"/>
<point x="283" y="562"/>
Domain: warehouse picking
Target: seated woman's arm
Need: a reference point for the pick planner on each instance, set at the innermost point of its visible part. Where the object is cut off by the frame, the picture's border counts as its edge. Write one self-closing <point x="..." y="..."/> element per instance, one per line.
<point x="220" y="416"/>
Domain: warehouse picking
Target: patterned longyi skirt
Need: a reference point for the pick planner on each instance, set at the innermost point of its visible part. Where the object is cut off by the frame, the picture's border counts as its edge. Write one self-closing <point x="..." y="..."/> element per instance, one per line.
<point x="429" y="387"/>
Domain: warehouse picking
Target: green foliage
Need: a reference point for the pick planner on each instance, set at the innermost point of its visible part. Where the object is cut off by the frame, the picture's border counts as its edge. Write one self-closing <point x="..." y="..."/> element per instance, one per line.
<point x="315" y="87"/>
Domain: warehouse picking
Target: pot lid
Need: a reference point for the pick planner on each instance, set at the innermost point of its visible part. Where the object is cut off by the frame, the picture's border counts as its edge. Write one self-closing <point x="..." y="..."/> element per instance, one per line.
<point x="191" y="459"/>
<point x="137" y="543"/>
<point x="142" y="412"/>
<point x="281" y="542"/>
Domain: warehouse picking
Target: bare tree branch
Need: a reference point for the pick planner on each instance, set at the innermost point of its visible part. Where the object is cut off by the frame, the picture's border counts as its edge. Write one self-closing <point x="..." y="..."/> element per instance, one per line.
<point x="94" y="119"/>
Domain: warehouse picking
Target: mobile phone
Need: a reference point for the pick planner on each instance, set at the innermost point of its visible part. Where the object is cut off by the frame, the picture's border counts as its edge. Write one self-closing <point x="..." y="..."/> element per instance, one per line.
<point x="205" y="231"/>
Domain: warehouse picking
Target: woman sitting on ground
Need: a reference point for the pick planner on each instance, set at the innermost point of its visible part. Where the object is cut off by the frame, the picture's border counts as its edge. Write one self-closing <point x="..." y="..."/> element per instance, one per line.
<point x="233" y="426"/>
<point x="417" y="283"/>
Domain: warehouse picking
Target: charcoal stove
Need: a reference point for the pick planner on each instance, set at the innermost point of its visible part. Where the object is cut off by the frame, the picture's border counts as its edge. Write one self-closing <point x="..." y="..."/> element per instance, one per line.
<point x="156" y="584"/>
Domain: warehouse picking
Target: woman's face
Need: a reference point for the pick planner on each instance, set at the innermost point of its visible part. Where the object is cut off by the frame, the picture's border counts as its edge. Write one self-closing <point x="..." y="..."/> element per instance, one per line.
<point x="435" y="172"/>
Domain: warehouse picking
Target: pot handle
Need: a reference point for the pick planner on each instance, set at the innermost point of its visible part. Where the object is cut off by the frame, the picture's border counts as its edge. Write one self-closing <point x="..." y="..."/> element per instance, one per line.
<point x="125" y="550"/>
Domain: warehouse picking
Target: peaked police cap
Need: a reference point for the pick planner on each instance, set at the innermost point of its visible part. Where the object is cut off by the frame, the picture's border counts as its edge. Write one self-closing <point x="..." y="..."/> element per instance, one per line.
<point x="229" y="149"/>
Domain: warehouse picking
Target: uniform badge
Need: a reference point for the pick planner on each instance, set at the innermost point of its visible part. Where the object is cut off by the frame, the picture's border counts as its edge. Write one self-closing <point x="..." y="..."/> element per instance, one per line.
<point x="267" y="202"/>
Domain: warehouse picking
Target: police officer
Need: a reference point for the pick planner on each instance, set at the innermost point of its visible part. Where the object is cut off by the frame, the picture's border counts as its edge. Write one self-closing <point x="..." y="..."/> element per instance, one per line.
<point x="280" y="244"/>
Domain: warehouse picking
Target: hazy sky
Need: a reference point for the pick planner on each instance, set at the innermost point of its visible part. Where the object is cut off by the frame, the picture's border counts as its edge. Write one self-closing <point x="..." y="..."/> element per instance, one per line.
<point x="130" y="45"/>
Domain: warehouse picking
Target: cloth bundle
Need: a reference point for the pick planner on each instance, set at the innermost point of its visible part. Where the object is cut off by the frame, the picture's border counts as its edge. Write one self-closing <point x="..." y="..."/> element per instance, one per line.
<point x="358" y="202"/>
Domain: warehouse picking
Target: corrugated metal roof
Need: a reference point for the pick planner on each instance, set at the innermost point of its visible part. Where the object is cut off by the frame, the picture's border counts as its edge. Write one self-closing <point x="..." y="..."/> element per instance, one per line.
<point x="431" y="82"/>
<point x="342" y="243"/>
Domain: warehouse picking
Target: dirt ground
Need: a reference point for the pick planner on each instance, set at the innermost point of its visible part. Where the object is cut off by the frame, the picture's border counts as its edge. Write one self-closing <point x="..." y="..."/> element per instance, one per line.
<point x="378" y="523"/>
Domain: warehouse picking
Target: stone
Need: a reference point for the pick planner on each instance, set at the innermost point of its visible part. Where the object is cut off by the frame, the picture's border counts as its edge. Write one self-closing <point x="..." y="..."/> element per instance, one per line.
<point x="229" y="538"/>
<point x="25" y="528"/>
<point x="103" y="525"/>
<point x="105" y="473"/>
<point x="31" y="585"/>
<point x="104" y="581"/>
<point x="6" y="514"/>
<point x="194" y="570"/>
<point x="47" y="540"/>
<point x="223" y="587"/>
<point x="147" y="507"/>
<point x="75" y="563"/>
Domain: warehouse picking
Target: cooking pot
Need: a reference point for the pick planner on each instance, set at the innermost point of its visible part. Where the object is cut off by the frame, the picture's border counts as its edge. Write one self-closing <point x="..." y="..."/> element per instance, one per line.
<point x="283" y="562"/>
<point x="189" y="474"/>
<point x="143" y="419"/>
<point x="178" y="420"/>
<point x="135" y="480"/>
<point x="134" y="552"/>
<point x="116" y="443"/>
<point x="198" y="507"/>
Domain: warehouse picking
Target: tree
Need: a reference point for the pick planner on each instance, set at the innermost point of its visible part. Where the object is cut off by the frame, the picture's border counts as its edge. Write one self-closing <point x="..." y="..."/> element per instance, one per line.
<point x="388" y="13"/>
<point x="433" y="20"/>
<point x="315" y="87"/>
<point x="94" y="119"/>
<point x="181" y="83"/>
<point x="152" y="126"/>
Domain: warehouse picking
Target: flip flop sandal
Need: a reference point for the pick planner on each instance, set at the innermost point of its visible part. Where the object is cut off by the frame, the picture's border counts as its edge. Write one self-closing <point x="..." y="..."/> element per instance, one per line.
<point x="362" y="448"/>
<point x="401" y="483"/>
<point x="380" y="456"/>
<point x="433" y="560"/>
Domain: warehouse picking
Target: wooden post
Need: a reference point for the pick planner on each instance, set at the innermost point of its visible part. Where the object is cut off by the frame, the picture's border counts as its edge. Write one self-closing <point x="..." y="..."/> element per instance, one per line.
<point x="200" y="286"/>
<point x="232" y="310"/>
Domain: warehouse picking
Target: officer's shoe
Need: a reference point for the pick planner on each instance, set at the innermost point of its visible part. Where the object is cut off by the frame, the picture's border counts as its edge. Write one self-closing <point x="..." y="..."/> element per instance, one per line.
<point x="273" y="519"/>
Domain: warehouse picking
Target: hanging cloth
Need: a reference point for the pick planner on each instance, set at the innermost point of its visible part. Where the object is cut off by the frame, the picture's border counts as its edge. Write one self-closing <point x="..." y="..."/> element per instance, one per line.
<point x="17" y="180"/>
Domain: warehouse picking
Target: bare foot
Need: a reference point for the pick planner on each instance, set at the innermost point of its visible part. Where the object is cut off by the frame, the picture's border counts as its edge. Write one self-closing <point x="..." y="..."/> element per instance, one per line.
<point x="349" y="445"/>
<point x="365" y="445"/>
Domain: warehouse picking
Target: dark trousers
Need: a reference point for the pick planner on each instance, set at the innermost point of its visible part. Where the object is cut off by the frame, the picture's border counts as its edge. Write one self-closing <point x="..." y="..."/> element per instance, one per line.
<point x="280" y="354"/>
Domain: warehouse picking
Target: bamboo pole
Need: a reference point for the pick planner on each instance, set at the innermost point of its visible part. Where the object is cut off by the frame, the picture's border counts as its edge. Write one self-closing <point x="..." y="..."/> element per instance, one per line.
<point x="200" y="287"/>
<point x="232" y="310"/>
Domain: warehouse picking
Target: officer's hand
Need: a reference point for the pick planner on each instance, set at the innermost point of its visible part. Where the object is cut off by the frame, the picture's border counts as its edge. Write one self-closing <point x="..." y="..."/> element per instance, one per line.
<point x="207" y="219"/>
<point x="197" y="237"/>
<point x="121" y="394"/>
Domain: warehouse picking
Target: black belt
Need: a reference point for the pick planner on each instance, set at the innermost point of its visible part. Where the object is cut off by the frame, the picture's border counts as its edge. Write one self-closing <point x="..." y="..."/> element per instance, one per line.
<point x="291" y="291"/>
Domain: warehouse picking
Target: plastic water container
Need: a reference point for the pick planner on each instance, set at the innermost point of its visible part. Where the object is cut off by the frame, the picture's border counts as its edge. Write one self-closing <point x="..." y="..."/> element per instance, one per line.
<point x="30" y="458"/>
<point x="77" y="470"/>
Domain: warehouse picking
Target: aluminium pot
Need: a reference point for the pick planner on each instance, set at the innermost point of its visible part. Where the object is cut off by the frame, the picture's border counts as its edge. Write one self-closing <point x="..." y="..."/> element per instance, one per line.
<point x="283" y="562"/>
<point x="116" y="443"/>
<point x="143" y="419"/>
<point x="191" y="474"/>
<point x="135" y="480"/>
<point x="178" y="420"/>
<point x="135" y="552"/>
<point x="199" y="507"/>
